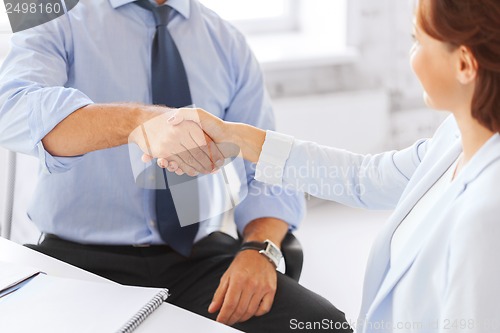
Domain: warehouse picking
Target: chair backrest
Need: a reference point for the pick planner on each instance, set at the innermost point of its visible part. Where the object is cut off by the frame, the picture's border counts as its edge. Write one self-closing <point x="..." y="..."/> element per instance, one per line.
<point x="18" y="176"/>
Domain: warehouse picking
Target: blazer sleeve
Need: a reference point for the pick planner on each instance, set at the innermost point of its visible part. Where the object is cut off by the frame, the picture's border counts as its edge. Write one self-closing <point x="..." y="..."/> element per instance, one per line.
<point x="367" y="181"/>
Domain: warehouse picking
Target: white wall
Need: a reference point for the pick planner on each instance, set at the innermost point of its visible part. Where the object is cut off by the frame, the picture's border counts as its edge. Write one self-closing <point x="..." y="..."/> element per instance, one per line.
<point x="23" y="230"/>
<point x="358" y="121"/>
<point x="380" y="34"/>
<point x="26" y="175"/>
<point x="3" y="184"/>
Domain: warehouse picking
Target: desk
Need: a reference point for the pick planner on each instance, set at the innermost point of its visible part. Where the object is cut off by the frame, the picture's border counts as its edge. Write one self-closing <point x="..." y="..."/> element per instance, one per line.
<point x="167" y="317"/>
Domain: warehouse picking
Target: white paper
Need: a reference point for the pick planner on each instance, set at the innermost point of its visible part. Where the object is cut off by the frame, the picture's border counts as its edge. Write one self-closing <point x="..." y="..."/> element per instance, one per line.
<point x="59" y="305"/>
<point x="12" y="275"/>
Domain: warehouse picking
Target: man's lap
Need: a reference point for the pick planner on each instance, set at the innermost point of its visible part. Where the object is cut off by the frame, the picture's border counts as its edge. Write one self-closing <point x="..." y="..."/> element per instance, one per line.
<point x="192" y="281"/>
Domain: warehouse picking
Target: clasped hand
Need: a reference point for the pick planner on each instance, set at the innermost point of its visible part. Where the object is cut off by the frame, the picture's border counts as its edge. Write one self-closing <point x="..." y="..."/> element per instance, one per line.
<point x="186" y="140"/>
<point x="179" y="143"/>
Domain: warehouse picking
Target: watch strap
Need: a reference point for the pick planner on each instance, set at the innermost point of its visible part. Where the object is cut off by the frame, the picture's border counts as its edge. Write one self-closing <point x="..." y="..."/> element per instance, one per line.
<point x="263" y="248"/>
<point x="259" y="246"/>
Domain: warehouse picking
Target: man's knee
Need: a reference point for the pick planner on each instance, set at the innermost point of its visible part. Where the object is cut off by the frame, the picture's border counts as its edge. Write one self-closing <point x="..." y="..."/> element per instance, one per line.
<point x="303" y="310"/>
<point x="316" y="314"/>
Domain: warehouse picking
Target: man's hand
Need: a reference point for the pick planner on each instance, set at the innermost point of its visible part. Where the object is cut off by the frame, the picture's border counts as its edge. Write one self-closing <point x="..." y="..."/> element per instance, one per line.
<point x="221" y="132"/>
<point x="246" y="289"/>
<point x="185" y="144"/>
<point x="249" y="285"/>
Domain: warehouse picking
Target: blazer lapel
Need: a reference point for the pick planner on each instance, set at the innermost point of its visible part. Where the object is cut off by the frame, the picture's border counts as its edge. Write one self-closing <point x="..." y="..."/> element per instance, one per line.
<point x="379" y="277"/>
<point x="403" y="262"/>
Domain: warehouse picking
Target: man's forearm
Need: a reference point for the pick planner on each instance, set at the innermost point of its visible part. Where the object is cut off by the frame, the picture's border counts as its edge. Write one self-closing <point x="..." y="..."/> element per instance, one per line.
<point x="97" y="126"/>
<point x="266" y="228"/>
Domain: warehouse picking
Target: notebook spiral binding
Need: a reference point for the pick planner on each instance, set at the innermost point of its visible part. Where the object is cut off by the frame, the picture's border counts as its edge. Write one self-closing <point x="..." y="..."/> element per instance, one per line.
<point x="152" y="305"/>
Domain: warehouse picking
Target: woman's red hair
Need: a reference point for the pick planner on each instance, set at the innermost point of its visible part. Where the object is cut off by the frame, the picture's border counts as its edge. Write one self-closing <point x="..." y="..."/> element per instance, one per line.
<point x="474" y="24"/>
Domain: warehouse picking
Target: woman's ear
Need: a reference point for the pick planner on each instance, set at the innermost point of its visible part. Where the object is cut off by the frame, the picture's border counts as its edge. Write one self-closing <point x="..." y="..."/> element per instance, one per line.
<point x="467" y="66"/>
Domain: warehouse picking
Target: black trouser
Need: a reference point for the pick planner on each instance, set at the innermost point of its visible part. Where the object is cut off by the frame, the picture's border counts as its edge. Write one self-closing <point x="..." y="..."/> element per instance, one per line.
<point x="192" y="281"/>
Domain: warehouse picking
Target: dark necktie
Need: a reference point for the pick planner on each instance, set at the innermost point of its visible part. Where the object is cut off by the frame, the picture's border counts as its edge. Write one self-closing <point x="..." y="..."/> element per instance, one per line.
<point x="170" y="87"/>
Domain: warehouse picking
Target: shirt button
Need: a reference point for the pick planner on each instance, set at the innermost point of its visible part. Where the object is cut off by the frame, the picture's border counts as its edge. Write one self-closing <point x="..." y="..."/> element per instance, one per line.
<point x="152" y="223"/>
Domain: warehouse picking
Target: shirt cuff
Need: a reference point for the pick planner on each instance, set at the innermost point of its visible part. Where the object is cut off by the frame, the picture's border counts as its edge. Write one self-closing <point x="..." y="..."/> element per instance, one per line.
<point x="272" y="160"/>
<point x="55" y="164"/>
<point x="48" y="107"/>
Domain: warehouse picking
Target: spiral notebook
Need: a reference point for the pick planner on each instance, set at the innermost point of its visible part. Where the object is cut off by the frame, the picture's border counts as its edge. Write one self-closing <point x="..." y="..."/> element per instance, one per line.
<point x="58" y="305"/>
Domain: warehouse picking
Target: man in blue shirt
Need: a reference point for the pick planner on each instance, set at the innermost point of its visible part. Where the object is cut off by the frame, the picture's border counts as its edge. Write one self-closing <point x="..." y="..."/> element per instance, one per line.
<point x="59" y="89"/>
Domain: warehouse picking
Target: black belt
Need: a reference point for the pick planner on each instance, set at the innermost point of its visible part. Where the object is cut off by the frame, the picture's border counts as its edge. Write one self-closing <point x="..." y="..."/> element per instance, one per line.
<point x="212" y="244"/>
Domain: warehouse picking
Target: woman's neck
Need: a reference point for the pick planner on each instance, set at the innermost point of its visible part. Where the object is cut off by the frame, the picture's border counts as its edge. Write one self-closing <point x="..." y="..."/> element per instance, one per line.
<point x="474" y="136"/>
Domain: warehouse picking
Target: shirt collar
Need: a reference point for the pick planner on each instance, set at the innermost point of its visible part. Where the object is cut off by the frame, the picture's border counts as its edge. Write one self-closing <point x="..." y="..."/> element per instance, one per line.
<point x="181" y="6"/>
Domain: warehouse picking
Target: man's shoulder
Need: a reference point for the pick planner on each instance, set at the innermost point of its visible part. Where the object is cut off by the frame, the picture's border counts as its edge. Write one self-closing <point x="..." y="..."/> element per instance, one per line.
<point x="214" y="20"/>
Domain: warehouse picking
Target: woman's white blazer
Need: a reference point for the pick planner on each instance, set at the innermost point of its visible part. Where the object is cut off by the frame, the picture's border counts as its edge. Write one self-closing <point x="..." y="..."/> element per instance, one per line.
<point x="447" y="278"/>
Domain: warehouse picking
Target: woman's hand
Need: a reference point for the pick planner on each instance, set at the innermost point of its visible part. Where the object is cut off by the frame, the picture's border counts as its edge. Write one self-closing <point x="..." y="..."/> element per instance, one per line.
<point x="213" y="126"/>
<point x="230" y="138"/>
<point x="217" y="134"/>
<point x="161" y="138"/>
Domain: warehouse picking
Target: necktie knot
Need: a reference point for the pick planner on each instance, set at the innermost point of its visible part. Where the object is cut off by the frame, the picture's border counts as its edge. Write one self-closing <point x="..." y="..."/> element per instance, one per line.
<point x="160" y="13"/>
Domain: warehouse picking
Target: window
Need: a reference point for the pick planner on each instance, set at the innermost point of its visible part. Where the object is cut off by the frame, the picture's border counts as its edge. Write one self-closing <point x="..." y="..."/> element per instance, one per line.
<point x="5" y="32"/>
<point x="4" y="20"/>
<point x="278" y="30"/>
<point x="258" y="16"/>
<point x="290" y="32"/>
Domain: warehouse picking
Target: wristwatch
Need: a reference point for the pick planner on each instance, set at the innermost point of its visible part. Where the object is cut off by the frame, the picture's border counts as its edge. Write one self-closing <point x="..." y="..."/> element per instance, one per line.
<point x="266" y="248"/>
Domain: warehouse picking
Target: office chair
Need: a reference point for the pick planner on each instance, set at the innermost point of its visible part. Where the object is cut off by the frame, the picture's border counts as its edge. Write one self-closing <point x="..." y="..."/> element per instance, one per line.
<point x="294" y="256"/>
<point x="291" y="248"/>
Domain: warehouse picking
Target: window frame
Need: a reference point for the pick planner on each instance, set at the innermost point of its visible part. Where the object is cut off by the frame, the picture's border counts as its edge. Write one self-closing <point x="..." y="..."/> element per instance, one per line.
<point x="288" y="22"/>
<point x="5" y="33"/>
<point x="4" y="21"/>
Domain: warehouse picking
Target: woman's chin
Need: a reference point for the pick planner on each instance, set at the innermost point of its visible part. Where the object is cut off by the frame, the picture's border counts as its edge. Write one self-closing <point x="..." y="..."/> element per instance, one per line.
<point x="430" y="103"/>
<point x="427" y="100"/>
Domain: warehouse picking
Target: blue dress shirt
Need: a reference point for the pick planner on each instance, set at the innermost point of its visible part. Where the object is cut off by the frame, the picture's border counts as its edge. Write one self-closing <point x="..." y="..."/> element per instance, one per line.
<point x="99" y="52"/>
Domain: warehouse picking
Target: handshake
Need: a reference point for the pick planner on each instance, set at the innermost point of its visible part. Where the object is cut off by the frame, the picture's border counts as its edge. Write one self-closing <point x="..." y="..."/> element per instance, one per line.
<point x="187" y="141"/>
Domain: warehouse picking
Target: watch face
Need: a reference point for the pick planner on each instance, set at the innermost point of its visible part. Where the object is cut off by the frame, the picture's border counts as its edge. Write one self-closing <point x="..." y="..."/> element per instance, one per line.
<point x="274" y="251"/>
